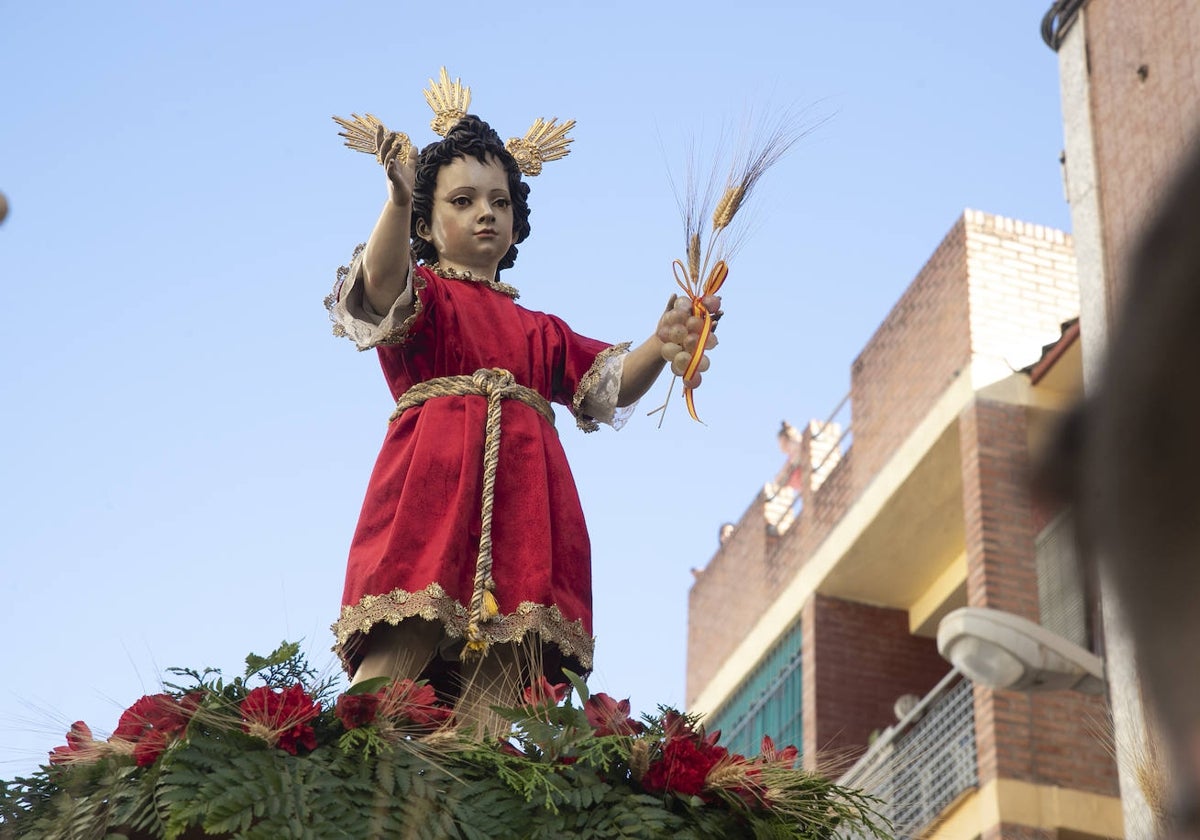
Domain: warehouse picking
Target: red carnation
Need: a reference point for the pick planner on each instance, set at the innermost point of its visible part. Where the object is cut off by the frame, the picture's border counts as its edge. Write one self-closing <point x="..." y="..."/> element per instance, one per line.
<point x="150" y="746"/>
<point x="683" y="766"/>
<point x="610" y="717"/>
<point x="355" y="710"/>
<point x="160" y="712"/>
<point x="291" y="739"/>
<point x="280" y="717"/>
<point x="409" y="701"/>
<point x="430" y="716"/>
<point x="152" y="723"/>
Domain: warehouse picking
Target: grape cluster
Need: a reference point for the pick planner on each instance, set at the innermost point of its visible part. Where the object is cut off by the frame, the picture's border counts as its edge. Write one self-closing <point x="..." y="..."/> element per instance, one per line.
<point x="679" y="331"/>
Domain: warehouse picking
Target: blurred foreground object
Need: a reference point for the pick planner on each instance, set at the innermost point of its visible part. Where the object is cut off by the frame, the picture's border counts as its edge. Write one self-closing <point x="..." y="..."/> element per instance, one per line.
<point x="1129" y="458"/>
<point x="3" y="208"/>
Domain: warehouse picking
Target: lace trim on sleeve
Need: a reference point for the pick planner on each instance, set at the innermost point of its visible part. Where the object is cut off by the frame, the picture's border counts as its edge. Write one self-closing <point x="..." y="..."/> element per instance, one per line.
<point x="353" y="317"/>
<point x="595" y="399"/>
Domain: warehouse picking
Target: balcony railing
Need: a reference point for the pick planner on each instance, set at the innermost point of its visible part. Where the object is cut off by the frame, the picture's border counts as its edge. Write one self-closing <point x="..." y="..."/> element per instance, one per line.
<point x="920" y="766"/>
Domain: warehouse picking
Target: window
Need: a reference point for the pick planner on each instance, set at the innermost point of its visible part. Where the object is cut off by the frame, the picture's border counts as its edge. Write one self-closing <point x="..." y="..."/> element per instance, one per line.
<point x="1061" y="586"/>
<point x="768" y="702"/>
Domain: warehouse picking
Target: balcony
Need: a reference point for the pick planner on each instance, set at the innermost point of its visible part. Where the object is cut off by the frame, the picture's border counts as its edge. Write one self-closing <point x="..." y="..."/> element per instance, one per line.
<point x="920" y="766"/>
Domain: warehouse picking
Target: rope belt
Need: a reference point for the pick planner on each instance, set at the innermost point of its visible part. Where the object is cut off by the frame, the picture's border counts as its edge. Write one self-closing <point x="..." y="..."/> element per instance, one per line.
<point x="495" y="384"/>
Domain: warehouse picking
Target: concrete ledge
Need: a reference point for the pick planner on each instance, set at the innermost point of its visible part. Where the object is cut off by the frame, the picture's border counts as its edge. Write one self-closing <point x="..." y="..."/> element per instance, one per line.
<point x="1036" y="806"/>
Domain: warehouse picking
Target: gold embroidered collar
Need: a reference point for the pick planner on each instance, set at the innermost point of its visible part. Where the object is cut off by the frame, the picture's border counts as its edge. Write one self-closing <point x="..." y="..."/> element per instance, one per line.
<point x="455" y="274"/>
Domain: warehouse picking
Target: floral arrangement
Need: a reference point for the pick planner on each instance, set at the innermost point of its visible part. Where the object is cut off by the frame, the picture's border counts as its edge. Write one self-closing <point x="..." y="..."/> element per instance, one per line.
<point x="288" y="759"/>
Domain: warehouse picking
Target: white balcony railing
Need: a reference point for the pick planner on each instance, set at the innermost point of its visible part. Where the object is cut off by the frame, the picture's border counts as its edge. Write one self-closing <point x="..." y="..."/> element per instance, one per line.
<point x="919" y="766"/>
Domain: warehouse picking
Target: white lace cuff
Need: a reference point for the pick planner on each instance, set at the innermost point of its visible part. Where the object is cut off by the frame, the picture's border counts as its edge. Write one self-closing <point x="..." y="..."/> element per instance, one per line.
<point x="600" y="399"/>
<point x="354" y="318"/>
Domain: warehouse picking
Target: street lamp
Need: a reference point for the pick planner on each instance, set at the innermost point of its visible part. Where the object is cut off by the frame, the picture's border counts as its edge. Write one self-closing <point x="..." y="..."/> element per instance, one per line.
<point x="1001" y="650"/>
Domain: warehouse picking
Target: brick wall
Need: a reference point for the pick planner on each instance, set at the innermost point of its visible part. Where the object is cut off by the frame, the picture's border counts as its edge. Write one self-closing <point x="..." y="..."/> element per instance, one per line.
<point x="823" y="508"/>
<point x="727" y="598"/>
<point x="858" y="659"/>
<point x="1057" y="738"/>
<point x="1071" y="741"/>
<point x="912" y="358"/>
<point x="1049" y="738"/>
<point x="998" y="525"/>
<point x="1023" y="286"/>
<point x="729" y="595"/>
<point x="1142" y="122"/>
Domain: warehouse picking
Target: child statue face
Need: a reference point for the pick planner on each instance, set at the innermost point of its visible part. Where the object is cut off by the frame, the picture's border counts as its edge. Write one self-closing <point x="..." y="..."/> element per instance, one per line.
<point x="471" y="216"/>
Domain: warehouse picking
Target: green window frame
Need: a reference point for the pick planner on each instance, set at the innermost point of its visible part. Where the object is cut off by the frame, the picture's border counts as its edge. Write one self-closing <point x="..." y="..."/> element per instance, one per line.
<point x="767" y="702"/>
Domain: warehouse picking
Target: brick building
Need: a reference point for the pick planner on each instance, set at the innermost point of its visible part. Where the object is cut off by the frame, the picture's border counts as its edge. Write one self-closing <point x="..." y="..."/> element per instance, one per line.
<point x="815" y="621"/>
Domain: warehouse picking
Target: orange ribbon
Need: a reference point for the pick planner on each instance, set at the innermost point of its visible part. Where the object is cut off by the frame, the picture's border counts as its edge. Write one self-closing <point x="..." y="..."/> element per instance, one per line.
<point x="696" y="293"/>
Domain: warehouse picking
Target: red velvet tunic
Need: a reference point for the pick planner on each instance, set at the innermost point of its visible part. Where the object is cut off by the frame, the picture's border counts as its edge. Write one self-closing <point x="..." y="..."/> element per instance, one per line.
<point x="415" y="547"/>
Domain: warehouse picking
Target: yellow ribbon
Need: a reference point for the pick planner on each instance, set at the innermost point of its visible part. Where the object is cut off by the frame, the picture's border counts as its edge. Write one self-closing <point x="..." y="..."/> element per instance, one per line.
<point x="696" y="292"/>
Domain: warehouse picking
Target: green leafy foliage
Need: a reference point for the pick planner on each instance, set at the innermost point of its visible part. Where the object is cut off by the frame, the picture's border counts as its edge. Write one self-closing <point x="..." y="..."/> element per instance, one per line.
<point x="563" y="772"/>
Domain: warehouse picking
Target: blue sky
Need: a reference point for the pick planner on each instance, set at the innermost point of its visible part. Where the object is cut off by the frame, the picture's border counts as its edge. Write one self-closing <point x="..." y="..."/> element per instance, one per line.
<point x="183" y="444"/>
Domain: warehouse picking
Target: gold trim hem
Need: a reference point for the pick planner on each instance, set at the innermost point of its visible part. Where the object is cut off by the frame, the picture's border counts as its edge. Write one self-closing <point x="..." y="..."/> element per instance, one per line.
<point x="434" y="604"/>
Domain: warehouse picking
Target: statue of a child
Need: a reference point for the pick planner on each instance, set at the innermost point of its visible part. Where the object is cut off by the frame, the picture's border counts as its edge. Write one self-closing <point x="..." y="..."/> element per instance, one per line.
<point x="470" y="565"/>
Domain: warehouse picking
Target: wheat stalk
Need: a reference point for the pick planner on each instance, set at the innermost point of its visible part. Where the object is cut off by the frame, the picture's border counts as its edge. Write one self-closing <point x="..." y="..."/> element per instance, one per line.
<point x="693" y="255"/>
<point x="728" y="206"/>
<point x="639" y="759"/>
<point x="726" y="774"/>
<point x="767" y="144"/>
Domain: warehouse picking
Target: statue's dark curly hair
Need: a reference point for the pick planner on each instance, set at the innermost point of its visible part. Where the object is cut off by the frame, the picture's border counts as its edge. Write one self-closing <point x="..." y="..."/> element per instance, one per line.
<point x="469" y="136"/>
